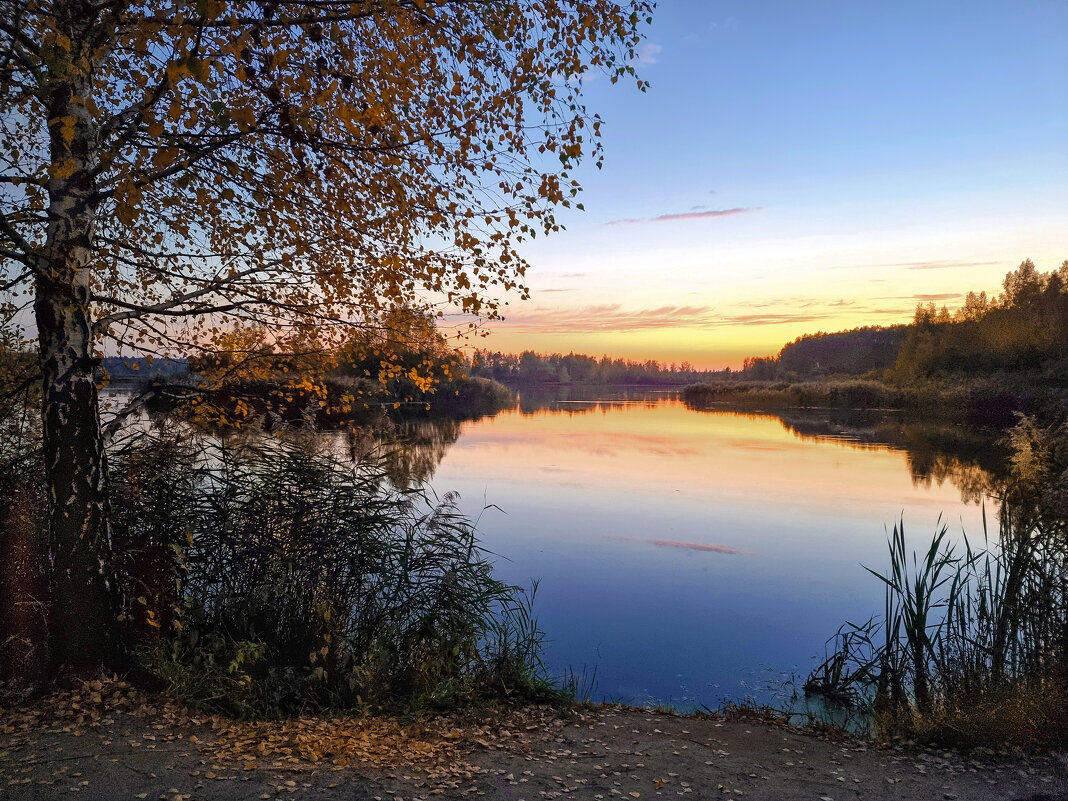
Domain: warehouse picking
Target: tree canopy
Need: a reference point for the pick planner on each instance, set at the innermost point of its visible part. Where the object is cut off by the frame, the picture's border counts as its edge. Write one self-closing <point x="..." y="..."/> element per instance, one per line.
<point x="293" y="163"/>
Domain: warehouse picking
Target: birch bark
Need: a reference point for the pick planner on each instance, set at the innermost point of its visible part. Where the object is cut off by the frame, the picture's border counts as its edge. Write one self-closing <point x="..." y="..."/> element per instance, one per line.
<point x="75" y="466"/>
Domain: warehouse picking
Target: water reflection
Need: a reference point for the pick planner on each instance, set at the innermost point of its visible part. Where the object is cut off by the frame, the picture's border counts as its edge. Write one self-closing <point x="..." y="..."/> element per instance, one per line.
<point x="684" y="553"/>
<point x="970" y="459"/>
<point x="418" y="449"/>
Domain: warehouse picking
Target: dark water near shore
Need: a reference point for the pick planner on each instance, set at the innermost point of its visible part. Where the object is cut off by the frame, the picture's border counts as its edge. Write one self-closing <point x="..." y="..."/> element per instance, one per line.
<point x="689" y="557"/>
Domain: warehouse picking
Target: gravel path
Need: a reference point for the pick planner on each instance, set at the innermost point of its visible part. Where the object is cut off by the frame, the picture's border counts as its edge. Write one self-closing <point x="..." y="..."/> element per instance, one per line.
<point x="110" y="743"/>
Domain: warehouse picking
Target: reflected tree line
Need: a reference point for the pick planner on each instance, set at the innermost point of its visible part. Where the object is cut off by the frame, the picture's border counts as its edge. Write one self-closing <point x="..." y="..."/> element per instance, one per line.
<point x="975" y="460"/>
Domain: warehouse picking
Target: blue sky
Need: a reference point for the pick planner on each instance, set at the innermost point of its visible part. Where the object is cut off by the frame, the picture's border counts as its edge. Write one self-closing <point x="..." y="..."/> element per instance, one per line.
<point x="822" y="165"/>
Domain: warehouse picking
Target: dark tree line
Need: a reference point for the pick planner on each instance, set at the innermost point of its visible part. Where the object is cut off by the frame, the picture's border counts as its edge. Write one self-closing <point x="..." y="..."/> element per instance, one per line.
<point x="854" y="352"/>
<point x="1024" y="328"/>
<point x="576" y="368"/>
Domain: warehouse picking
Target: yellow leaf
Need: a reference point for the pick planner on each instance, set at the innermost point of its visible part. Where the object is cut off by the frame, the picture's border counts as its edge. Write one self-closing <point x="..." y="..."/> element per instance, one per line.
<point x="66" y="127"/>
<point x="176" y="71"/>
<point x="244" y="116"/>
<point x="65" y="169"/>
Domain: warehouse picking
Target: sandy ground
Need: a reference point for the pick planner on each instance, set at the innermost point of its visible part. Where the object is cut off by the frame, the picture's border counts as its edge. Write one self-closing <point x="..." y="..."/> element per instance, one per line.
<point x="112" y="743"/>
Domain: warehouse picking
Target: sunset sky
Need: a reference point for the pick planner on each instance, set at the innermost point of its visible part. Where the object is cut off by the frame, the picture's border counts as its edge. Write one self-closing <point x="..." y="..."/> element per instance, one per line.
<point x="805" y="167"/>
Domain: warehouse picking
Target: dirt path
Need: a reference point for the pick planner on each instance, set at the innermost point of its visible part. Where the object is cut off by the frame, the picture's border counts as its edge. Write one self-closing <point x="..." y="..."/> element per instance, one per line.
<point x="110" y="743"/>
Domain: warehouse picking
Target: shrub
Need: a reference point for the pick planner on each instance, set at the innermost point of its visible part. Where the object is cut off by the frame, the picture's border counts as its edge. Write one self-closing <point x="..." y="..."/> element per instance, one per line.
<point x="308" y="582"/>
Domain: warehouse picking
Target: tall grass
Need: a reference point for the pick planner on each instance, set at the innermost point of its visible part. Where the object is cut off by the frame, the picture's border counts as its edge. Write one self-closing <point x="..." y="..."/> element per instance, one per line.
<point x="972" y="645"/>
<point x="301" y="582"/>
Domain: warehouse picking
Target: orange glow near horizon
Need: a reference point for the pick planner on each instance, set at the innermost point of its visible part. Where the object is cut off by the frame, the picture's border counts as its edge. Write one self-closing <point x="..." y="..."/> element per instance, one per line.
<point x="673" y="346"/>
<point x="714" y="317"/>
<point x="698" y="455"/>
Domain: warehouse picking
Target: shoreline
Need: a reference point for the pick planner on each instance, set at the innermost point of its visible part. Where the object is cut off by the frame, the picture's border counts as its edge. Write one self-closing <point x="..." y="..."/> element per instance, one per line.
<point x="105" y="740"/>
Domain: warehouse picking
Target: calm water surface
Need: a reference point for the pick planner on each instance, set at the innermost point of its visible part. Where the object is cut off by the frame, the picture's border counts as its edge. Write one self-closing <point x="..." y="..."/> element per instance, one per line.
<point x="690" y="557"/>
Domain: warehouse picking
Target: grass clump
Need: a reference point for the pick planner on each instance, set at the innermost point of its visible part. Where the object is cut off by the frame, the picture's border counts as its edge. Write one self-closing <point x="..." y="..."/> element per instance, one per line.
<point x="845" y="393"/>
<point x="302" y="582"/>
<point x="972" y="647"/>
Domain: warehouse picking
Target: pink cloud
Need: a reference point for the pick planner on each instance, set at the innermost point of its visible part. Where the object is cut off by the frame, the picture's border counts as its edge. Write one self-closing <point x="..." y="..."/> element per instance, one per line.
<point x="607" y="317"/>
<point x="688" y="215"/>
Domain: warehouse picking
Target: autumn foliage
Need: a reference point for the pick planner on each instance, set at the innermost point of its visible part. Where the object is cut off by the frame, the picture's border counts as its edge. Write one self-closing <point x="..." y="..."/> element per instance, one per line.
<point x="170" y="170"/>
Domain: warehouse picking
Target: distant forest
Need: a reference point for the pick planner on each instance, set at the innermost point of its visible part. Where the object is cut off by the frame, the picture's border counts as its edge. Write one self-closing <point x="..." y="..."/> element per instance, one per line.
<point x="1022" y="329"/>
<point x="574" y="368"/>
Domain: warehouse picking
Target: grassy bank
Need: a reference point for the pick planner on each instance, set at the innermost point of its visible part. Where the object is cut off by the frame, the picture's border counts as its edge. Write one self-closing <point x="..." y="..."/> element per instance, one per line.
<point x="982" y="401"/>
<point x="275" y="578"/>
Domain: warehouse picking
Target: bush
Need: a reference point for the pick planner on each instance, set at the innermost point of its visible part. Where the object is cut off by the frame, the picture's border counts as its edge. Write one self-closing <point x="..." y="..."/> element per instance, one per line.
<point x="307" y="583"/>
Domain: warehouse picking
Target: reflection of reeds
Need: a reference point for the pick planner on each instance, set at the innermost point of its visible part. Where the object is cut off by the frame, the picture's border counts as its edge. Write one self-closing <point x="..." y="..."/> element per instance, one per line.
<point x="971" y="645"/>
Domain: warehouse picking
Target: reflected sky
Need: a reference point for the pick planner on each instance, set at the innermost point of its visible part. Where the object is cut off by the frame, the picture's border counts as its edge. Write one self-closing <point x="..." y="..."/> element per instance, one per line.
<point x="683" y="554"/>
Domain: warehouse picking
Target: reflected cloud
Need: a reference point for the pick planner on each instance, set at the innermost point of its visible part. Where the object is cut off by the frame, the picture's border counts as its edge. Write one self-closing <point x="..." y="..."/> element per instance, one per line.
<point x="687" y="546"/>
<point x="756" y="445"/>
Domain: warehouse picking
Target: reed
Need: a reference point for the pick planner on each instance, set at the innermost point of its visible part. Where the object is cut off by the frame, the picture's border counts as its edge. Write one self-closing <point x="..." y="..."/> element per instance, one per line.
<point x="971" y="646"/>
<point x="302" y="581"/>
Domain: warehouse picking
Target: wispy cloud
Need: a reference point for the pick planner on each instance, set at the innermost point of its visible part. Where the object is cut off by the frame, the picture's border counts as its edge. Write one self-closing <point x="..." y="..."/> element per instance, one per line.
<point x="937" y="296"/>
<point x="946" y="265"/>
<point x="616" y="318"/>
<point x="648" y="52"/>
<point x="726" y="24"/>
<point x="917" y="265"/>
<point x="552" y="289"/>
<point x="688" y="215"/>
<point x="607" y="317"/>
<point x="921" y="296"/>
<point x="769" y="318"/>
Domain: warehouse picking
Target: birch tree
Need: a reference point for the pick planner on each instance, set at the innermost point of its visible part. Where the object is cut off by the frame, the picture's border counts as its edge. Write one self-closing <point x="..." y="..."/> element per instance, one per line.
<point x="169" y="168"/>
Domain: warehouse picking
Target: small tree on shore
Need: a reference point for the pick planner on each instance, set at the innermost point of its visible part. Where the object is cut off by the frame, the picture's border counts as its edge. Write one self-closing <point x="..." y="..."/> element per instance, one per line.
<point x="169" y="167"/>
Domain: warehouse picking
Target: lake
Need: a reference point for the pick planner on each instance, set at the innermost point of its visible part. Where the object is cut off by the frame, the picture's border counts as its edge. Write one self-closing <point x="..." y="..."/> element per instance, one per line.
<point x="688" y="557"/>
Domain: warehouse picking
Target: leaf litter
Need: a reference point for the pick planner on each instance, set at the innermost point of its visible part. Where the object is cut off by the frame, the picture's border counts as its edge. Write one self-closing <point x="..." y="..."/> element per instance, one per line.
<point x="531" y="753"/>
